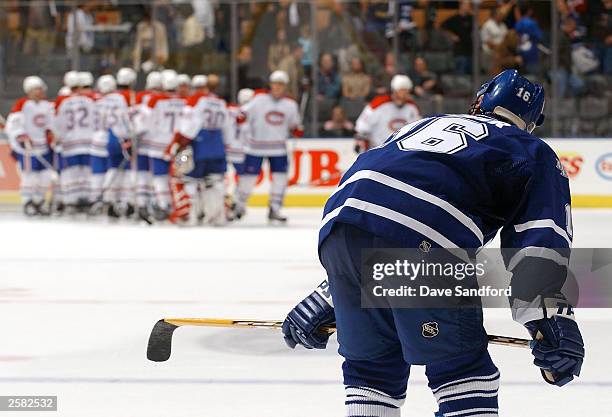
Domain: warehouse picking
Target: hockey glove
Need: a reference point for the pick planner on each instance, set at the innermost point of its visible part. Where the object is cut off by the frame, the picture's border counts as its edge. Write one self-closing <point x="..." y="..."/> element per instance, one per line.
<point x="557" y="347"/>
<point x="303" y="324"/>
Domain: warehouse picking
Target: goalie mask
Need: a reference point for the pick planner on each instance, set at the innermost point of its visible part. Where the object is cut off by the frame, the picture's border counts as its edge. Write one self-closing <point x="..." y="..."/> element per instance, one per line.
<point x="183" y="161"/>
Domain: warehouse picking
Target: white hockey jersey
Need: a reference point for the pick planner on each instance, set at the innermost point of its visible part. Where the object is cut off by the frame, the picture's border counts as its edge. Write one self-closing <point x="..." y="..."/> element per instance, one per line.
<point x="140" y="113"/>
<point x="382" y="117"/>
<point x="235" y="144"/>
<point x="112" y="113"/>
<point x="270" y="123"/>
<point x="162" y="116"/>
<point x="206" y="122"/>
<point x="75" y="123"/>
<point x="33" y="119"/>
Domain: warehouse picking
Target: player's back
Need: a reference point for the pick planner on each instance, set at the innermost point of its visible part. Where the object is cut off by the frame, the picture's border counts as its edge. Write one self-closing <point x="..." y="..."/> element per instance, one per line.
<point x="165" y="113"/>
<point x="76" y="123"/>
<point x="206" y="120"/>
<point x="453" y="179"/>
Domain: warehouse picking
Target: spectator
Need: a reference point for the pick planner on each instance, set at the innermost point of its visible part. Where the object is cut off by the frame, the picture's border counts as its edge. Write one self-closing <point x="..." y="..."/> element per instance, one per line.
<point x="425" y="81"/>
<point x="459" y="29"/>
<point x="39" y="28"/>
<point x="245" y="77"/>
<point x="329" y="81"/>
<point x="338" y="126"/>
<point x="306" y="41"/>
<point x="492" y="34"/>
<point x="151" y="45"/>
<point x="205" y="14"/>
<point x="278" y="50"/>
<point x="356" y="84"/>
<point x="530" y="35"/>
<point x="190" y="40"/>
<point x="80" y="24"/>
<point x="602" y="34"/>
<point x="292" y="65"/>
<point x="564" y="76"/>
<point x="384" y="79"/>
<point x="506" y="54"/>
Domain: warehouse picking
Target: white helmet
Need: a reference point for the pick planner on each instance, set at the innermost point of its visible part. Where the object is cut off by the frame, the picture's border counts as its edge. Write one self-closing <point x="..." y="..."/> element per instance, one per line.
<point x="183" y="79"/>
<point x="71" y="79"/>
<point x="86" y="79"/>
<point x="169" y="80"/>
<point x="245" y="95"/>
<point x="154" y="81"/>
<point x="279" y="77"/>
<point x="106" y="84"/>
<point x="32" y="82"/>
<point x="401" y="82"/>
<point x="65" y="91"/>
<point x="126" y="76"/>
<point x="199" y="81"/>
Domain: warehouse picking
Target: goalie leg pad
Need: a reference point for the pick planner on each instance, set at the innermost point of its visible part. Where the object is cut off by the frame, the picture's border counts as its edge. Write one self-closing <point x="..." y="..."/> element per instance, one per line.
<point x="213" y="199"/>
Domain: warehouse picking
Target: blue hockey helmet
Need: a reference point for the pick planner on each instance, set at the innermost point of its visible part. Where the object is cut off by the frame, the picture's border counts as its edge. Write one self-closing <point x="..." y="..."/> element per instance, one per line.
<point x="512" y="97"/>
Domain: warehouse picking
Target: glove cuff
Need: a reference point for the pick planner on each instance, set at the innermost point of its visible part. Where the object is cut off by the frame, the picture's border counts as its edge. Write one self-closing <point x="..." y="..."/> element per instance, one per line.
<point x="541" y="308"/>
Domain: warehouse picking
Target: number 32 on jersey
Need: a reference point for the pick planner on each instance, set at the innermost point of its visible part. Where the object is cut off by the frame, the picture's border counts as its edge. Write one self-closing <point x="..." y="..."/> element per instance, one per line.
<point x="441" y="135"/>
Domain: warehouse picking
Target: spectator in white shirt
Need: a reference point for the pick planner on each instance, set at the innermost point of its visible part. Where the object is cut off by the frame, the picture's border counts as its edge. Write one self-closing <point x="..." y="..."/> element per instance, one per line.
<point x="492" y="34"/>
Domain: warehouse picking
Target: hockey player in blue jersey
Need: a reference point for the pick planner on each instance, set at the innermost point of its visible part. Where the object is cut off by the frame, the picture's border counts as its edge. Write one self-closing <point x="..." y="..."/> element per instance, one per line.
<point x="449" y="181"/>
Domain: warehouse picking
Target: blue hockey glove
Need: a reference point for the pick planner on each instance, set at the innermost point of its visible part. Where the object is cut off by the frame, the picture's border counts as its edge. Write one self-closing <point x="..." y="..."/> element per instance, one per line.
<point x="557" y="347"/>
<point x="303" y="324"/>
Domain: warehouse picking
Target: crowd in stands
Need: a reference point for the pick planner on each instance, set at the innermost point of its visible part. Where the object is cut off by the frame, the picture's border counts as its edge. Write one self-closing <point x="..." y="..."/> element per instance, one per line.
<point x="360" y="45"/>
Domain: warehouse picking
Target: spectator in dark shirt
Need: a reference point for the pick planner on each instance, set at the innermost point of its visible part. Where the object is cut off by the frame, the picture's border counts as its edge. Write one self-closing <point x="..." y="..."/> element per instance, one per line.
<point x="425" y="81"/>
<point x="329" y="80"/>
<point x="383" y="80"/>
<point x="338" y="126"/>
<point x="459" y="28"/>
<point x="602" y="33"/>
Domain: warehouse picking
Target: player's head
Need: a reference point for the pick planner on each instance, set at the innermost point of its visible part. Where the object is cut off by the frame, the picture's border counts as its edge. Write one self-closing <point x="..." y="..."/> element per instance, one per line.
<point x="86" y="80"/>
<point x="71" y="80"/>
<point x="401" y="85"/>
<point x="278" y="83"/>
<point x="512" y="98"/>
<point x="245" y="95"/>
<point x="106" y="84"/>
<point x="34" y="87"/>
<point x="126" y="77"/>
<point x="184" y="84"/>
<point x="169" y="80"/>
<point x="154" y="81"/>
<point x="65" y="91"/>
<point x="199" y="82"/>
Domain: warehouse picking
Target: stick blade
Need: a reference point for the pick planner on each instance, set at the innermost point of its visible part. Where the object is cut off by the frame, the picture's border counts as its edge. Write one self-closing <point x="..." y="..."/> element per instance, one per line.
<point x="160" y="341"/>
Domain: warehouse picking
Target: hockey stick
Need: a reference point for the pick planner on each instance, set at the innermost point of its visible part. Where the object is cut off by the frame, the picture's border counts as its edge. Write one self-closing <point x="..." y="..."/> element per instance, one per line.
<point x="160" y="341"/>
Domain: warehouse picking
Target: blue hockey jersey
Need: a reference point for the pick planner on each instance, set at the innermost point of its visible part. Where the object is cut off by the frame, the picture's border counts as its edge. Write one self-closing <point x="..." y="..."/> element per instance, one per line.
<point x="455" y="181"/>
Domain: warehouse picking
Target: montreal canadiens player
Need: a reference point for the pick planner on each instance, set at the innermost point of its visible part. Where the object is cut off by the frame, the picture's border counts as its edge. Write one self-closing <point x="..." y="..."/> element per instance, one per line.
<point x="75" y="127"/>
<point x="110" y="150"/>
<point x="386" y="114"/>
<point x="28" y="128"/>
<point x="203" y="125"/>
<point x="144" y="177"/>
<point x="453" y="181"/>
<point x="271" y="117"/>
<point x="162" y="117"/>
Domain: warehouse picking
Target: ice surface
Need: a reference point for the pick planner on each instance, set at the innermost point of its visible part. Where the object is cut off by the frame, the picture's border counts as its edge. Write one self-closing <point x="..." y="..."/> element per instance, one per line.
<point x="78" y="299"/>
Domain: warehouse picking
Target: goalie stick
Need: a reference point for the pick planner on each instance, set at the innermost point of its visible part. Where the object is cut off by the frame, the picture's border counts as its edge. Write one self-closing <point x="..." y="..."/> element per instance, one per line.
<point x="160" y="340"/>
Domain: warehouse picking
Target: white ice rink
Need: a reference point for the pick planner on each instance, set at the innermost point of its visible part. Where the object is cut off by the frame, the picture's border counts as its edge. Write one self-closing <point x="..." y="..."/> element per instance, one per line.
<point x="78" y="300"/>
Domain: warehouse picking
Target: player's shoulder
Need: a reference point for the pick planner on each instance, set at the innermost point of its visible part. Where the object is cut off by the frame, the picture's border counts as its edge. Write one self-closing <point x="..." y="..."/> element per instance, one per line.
<point x="156" y="98"/>
<point x="19" y="104"/>
<point x="378" y="101"/>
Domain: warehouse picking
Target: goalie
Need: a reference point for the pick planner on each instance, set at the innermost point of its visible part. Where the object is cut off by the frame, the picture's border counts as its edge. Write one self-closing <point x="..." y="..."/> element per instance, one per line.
<point x="203" y="126"/>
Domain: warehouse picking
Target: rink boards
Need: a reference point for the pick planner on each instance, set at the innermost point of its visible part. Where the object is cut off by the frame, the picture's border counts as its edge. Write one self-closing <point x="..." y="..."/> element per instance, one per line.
<point x="316" y="166"/>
